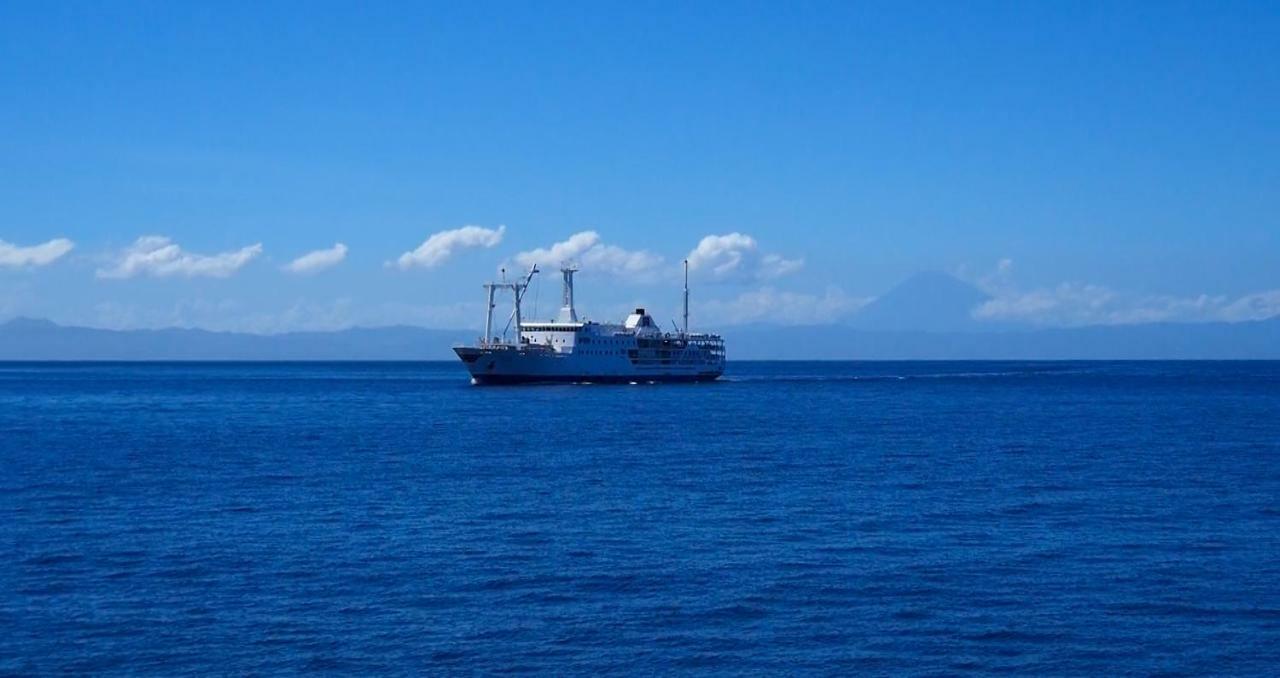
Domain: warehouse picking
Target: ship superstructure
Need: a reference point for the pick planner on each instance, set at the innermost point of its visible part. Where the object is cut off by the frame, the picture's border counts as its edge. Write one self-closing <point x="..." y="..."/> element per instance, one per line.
<point x="569" y="349"/>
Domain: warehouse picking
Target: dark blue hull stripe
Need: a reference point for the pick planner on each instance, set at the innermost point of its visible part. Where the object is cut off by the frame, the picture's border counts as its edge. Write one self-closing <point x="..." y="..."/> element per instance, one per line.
<point x="510" y="379"/>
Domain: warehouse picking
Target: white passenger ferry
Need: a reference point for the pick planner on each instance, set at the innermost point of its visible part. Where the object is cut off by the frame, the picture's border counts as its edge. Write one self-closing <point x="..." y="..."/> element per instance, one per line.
<point x="571" y="350"/>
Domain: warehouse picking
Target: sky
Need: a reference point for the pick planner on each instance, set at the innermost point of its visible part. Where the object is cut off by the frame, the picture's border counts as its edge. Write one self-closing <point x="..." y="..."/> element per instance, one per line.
<point x="274" y="166"/>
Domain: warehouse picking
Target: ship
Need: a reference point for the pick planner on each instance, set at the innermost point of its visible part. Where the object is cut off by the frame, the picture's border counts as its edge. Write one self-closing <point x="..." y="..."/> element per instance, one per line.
<point x="572" y="350"/>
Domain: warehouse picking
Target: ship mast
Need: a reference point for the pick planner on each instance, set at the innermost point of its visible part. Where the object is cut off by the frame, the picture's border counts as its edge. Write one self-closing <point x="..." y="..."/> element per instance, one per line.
<point x="518" y="290"/>
<point x="489" y="289"/>
<point x="568" y="314"/>
<point x="686" y="297"/>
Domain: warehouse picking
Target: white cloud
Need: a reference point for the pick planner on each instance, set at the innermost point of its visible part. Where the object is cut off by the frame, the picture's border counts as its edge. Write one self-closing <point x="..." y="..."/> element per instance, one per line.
<point x="1257" y="306"/>
<point x="13" y="256"/>
<point x="1073" y="304"/>
<point x="588" y="252"/>
<point x="158" y="256"/>
<point x="1066" y="304"/>
<point x="775" y="266"/>
<point x="997" y="281"/>
<point x="769" y="305"/>
<point x="737" y="255"/>
<point x="440" y="246"/>
<point x="318" y="260"/>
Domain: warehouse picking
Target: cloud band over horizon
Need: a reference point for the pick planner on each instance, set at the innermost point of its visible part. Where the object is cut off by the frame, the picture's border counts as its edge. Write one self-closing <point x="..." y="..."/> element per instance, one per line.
<point x="746" y="275"/>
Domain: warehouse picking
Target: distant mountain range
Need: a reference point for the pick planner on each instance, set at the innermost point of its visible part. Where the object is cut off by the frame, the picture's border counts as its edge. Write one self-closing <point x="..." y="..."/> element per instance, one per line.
<point x="1169" y="341"/>
<point x="926" y="317"/>
<point x="30" y="339"/>
<point x="26" y="339"/>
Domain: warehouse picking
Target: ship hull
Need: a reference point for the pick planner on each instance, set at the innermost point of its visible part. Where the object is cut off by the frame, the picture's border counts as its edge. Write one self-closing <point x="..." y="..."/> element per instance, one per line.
<point x="507" y="367"/>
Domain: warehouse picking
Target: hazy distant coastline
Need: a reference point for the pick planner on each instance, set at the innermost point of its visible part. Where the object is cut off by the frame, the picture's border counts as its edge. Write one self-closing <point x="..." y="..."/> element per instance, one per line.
<point x="29" y="339"/>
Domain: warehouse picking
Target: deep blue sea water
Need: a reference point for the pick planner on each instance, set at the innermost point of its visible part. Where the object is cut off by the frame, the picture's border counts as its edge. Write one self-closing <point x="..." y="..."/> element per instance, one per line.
<point x="1035" y="518"/>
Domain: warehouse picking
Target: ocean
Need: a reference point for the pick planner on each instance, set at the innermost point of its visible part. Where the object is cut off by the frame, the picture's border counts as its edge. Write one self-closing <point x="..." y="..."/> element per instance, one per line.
<point x="833" y="518"/>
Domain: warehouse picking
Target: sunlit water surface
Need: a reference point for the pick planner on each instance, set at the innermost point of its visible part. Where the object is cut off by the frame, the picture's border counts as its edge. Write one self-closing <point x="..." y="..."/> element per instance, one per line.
<point x="1039" y="518"/>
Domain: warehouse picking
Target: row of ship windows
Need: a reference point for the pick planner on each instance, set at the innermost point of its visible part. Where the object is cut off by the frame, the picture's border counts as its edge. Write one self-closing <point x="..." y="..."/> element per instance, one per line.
<point x="583" y="340"/>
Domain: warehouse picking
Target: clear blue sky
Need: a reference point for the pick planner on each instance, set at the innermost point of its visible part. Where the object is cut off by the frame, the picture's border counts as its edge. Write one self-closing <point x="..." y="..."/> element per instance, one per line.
<point x="1132" y="148"/>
